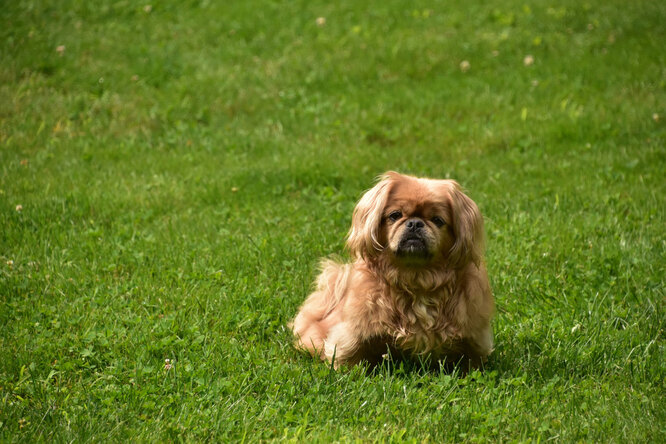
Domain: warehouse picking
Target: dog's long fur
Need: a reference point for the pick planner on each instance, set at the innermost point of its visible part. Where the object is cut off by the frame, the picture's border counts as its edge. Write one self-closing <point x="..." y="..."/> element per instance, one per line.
<point x="432" y="299"/>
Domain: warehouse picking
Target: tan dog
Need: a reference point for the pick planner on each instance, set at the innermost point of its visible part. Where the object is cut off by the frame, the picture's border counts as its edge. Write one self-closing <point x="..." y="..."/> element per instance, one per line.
<point x="417" y="286"/>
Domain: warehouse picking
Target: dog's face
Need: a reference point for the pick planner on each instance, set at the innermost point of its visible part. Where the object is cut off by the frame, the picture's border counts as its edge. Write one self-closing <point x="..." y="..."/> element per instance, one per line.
<point x="414" y="222"/>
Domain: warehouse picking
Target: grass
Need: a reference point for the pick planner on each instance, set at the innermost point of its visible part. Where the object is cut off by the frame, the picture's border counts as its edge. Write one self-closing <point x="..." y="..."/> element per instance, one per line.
<point x="180" y="168"/>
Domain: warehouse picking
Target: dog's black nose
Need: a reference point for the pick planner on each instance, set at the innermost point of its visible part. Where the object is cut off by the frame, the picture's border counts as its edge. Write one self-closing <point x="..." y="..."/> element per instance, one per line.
<point x="415" y="224"/>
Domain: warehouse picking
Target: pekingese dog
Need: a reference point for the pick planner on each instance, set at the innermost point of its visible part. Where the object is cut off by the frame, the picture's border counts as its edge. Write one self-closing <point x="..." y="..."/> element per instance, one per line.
<point x="417" y="285"/>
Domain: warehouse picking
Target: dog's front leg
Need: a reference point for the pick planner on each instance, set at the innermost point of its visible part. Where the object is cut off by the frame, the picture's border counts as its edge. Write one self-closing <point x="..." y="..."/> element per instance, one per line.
<point x="343" y="343"/>
<point x="353" y="341"/>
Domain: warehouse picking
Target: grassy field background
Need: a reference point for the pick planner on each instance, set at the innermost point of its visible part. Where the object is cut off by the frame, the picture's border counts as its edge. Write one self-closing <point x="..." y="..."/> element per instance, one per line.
<point x="171" y="173"/>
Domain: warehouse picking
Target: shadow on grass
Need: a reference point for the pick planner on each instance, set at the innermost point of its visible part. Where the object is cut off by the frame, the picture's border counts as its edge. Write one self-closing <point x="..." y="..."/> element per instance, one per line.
<point x="402" y="365"/>
<point x="397" y="364"/>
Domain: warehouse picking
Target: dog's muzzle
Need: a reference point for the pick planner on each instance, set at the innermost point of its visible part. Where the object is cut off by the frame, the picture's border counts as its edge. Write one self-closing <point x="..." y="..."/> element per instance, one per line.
<point x="413" y="242"/>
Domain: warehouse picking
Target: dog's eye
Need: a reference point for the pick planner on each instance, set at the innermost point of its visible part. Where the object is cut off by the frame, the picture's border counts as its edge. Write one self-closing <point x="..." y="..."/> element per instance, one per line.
<point x="438" y="221"/>
<point x="395" y="215"/>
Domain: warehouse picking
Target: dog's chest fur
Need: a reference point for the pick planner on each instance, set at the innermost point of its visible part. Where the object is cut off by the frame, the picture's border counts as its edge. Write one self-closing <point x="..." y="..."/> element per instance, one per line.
<point x="423" y="323"/>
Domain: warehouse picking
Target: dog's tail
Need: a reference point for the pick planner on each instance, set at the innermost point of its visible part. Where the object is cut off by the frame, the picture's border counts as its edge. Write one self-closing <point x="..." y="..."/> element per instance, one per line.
<point x="333" y="283"/>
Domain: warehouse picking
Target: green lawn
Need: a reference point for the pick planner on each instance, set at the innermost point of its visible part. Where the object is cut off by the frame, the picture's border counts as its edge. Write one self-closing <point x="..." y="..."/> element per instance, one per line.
<point x="171" y="174"/>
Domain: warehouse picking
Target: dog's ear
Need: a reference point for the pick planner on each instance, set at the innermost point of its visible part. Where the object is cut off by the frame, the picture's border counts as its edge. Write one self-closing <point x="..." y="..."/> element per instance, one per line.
<point x="467" y="229"/>
<point x="363" y="238"/>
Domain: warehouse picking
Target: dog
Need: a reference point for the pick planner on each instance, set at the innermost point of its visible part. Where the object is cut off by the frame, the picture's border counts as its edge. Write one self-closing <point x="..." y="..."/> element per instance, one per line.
<point x="417" y="286"/>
